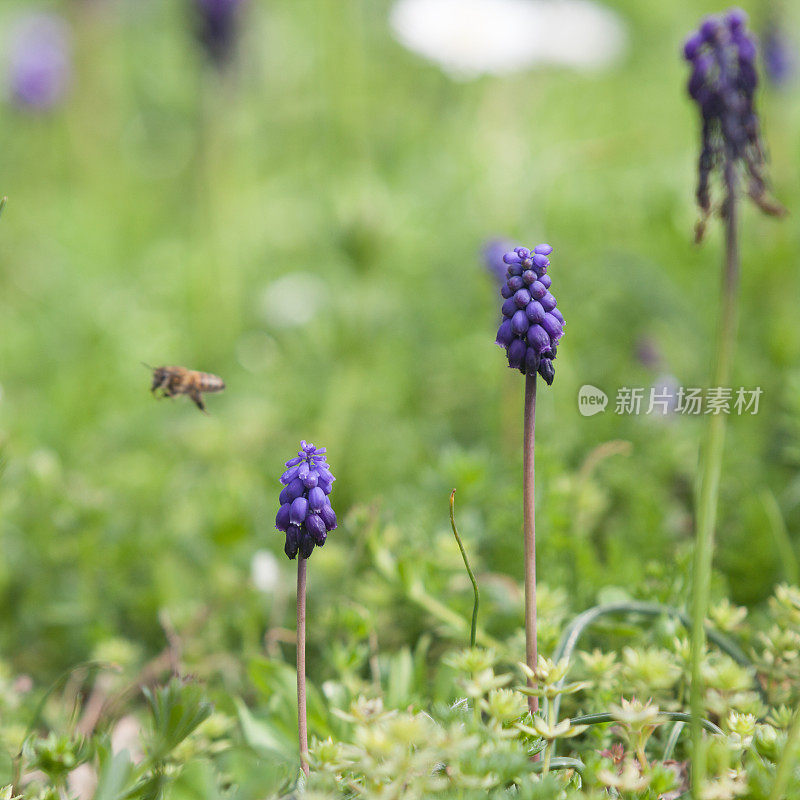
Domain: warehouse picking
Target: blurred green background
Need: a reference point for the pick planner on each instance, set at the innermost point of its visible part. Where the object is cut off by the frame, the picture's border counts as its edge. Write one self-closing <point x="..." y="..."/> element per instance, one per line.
<point x="308" y="224"/>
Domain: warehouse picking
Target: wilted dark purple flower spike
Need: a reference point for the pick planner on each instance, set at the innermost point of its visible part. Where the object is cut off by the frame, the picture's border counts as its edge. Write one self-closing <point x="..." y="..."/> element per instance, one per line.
<point x="217" y="27"/>
<point x="39" y="66"/>
<point x="305" y="515"/>
<point x="722" y="83"/>
<point x="532" y="325"/>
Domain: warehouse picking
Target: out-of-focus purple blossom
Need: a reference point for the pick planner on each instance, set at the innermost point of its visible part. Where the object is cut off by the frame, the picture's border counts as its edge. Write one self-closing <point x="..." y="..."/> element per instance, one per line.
<point x="217" y="27"/>
<point x="493" y="252"/>
<point x="305" y="514"/>
<point x="778" y="55"/>
<point x="532" y="326"/>
<point x="39" y="63"/>
<point x="723" y="81"/>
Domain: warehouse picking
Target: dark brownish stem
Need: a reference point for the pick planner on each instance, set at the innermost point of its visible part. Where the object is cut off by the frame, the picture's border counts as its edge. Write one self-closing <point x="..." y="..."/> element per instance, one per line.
<point x="302" y="722"/>
<point x="529" y="530"/>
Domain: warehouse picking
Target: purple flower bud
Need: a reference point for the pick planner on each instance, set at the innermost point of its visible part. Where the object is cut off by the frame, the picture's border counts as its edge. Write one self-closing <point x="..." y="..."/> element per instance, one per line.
<point x="311" y="480"/>
<point x="515" y="269"/>
<point x="547" y="371"/>
<point x="552" y="326"/>
<point x="305" y="514"/>
<point x="316" y="498"/>
<point x="692" y="45"/>
<point x="543" y="249"/>
<point x="531" y="361"/>
<point x="538" y="339"/>
<point x="542" y="262"/>
<point x="328" y="516"/>
<point x="282" y="519"/>
<point x="534" y="311"/>
<point x="505" y="333"/>
<point x="558" y="315"/>
<point x="292" y="541"/>
<point x="548" y="302"/>
<point x="523" y="252"/>
<point x="522" y="298"/>
<point x="546" y="281"/>
<point x="519" y="322"/>
<point x="537" y="290"/>
<point x="515" y="283"/>
<point x="516" y="353"/>
<point x="509" y="308"/>
<point x="529" y="276"/>
<point x="289" y="475"/>
<point x="294" y="489"/>
<point x="306" y="544"/>
<point x="506" y="291"/>
<point x="316" y="527"/>
<point x="736" y="19"/>
<point x="511" y="258"/>
<point x="298" y="510"/>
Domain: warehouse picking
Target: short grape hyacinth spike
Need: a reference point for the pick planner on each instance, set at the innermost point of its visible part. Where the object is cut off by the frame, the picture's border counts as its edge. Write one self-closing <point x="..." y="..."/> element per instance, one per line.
<point x="723" y="82"/>
<point x="39" y="64"/>
<point x="305" y="515"/>
<point x="532" y="326"/>
<point x="217" y="25"/>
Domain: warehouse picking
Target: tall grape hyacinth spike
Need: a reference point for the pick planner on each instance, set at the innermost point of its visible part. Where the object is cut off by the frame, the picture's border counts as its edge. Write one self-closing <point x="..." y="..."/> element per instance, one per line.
<point x="305" y="515"/>
<point x="723" y="82"/>
<point x="532" y="326"/>
<point x="531" y="329"/>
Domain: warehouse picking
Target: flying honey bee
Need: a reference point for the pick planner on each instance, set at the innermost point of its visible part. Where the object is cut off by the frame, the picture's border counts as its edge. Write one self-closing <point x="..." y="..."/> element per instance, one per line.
<point x="179" y="380"/>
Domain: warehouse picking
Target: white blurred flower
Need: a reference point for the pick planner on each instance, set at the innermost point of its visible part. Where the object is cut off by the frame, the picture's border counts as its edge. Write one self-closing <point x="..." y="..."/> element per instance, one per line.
<point x="264" y="571"/>
<point x="292" y="300"/>
<point x="469" y="38"/>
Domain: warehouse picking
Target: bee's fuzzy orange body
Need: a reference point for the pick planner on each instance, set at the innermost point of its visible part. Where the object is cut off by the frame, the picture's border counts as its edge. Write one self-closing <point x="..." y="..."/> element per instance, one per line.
<point x="179" y="380"/>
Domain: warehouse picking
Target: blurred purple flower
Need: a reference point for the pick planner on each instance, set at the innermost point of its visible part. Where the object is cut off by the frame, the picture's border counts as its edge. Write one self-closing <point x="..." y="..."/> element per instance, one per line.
<point x="532" y="326"/>
<point x="493" y="252"/>
<point x="39" y="63"/>
<point x="305" y="514"/>
<point x="778" y="55"/>
<point x="217" y="27"/>
<point x="723" y="81"/>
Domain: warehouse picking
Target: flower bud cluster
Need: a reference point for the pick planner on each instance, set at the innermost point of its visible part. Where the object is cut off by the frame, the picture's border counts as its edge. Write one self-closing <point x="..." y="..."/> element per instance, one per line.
<point x="532" y="325"/>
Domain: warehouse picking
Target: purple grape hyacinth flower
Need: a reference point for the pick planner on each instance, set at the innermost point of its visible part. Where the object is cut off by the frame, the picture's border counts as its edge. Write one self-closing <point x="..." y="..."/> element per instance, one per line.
<point x="778" y="55"/>
<point x="532" y="326"/>
<point x="39" y="65"/>
<point x="493" y="252"/>
<point x="723" y="81"/>
<point x="217" y="22"/>
<point x="306" y="515"/>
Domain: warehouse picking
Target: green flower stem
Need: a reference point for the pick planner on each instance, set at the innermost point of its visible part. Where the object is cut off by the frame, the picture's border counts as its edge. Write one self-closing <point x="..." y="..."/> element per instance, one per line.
<point x="551" y="721"/>
<point x="529" y="532"/>
<point x="474" y="627"/>
<point x="302" y="717"/>
<point x="711" y="468"/>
